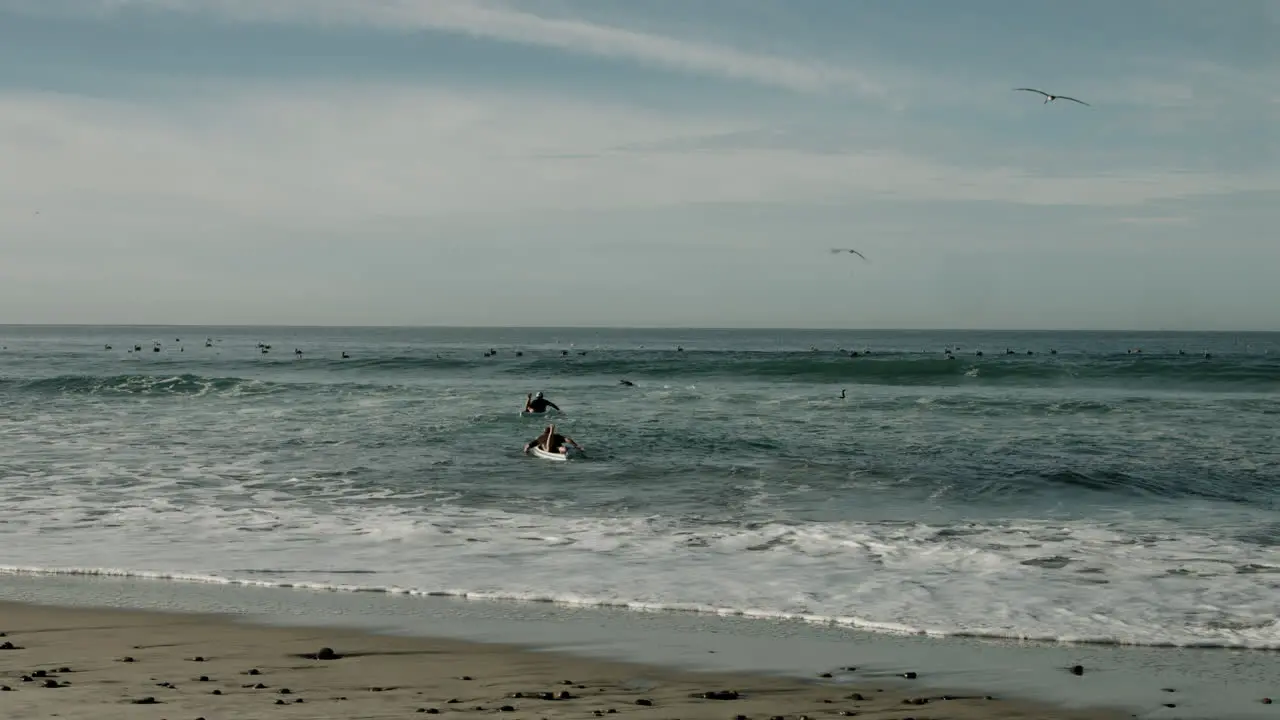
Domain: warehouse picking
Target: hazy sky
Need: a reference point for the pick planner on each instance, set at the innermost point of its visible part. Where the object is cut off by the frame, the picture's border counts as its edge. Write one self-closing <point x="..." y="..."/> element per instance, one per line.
<point x="641" y="162"/>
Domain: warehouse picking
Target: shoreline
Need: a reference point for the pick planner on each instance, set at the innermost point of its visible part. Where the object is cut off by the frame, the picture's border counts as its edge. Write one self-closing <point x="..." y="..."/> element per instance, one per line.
<point x="115" y="659"/>
<point x="1026" y="677"/>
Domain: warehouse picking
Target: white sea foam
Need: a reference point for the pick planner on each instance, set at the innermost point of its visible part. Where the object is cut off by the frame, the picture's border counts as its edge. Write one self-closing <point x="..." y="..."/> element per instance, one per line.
<point x="1123" y="582"/>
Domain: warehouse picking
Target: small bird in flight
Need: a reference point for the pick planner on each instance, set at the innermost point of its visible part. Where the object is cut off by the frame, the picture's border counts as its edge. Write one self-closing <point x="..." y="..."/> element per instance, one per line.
<point x="849" y="250"/>
<point x="1050" y="98"/>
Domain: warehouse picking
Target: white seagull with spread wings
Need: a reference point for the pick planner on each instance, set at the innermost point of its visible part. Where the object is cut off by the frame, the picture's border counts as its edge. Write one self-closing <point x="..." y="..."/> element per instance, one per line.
<point x="1050" y="98"/>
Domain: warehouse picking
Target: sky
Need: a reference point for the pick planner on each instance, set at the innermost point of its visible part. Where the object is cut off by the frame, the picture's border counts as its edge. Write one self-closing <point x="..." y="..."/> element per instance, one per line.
<point x="670" y="163"/>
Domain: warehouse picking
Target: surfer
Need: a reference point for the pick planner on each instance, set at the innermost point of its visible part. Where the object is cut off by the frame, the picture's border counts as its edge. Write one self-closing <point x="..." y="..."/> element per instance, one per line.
<point x="551" y="441"/>
<point x="537" y="404"/>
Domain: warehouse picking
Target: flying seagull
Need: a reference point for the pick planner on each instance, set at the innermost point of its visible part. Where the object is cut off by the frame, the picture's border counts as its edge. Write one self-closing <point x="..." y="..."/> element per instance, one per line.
<point x="1050" y="98"/>
<point x="849" y="250"/>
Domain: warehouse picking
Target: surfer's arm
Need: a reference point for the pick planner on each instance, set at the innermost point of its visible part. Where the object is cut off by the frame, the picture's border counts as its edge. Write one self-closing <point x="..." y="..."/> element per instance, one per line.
<point x="557" y="407"/>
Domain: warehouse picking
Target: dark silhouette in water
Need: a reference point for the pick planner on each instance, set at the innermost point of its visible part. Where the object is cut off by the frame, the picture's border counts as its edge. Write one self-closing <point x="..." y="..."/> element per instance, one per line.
<point x="628" y="383"/>
<point x="538" y="404"/>
<point x="842" y="394"/>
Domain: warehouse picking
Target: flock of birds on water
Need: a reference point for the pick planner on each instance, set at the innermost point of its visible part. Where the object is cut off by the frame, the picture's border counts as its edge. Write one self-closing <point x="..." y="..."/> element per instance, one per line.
<point x="949" y="352"/>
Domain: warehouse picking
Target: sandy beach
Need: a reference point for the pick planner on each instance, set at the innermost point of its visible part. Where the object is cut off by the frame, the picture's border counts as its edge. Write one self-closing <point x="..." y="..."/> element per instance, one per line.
<point x="106" y="664"/>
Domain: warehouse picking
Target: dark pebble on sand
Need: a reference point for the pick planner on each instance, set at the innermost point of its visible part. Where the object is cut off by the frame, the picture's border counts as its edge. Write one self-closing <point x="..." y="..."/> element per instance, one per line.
<point x="452" y="701"/>
<point x="295" y="702"/>
<point x="909" y="675"/>
<point x="1077" y="669"/>
<point x="327" y="654"/>
<point x="739" y="717"/>
<point x="279" y="702"/>
<point x="851" y="669"/>
<point x="611" y="711"/>
<point x="848" y="713"/>
<point x="197" y="658"/>
<point x="204" y="678"/>
<point x="718" y="695"/>
<point x="40" y="673"/>
<point x="216" y="692"/>
<point x="916" y="701"/>
<point x="825" y="675"/>
<point x="51" y="684"/>
<point x="6" y="645"/>
<point x="564" y="695"/>
<point x="1266" y="701"/>
<point x="645" y="701"/>
<point x="506" y="708"/>
<point x="126" y="658"/>
<point x="259" y="686"/>
<point x="26" y="678"/>
<point x="856" y="696"/>
<point x="284" y="691"/>
<point x="5" y="688"/>
<point x="465" y="677"/>
<point x="253" y="671"/>
<point x="1168" y="690"/>
<point x="566" y="682"/>
<point x="146" y="701"/>
<point x="64" y="669"/>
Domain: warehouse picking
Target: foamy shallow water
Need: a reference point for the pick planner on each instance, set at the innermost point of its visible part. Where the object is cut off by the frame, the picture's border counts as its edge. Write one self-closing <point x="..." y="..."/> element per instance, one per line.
<point x="1075" y="510"/>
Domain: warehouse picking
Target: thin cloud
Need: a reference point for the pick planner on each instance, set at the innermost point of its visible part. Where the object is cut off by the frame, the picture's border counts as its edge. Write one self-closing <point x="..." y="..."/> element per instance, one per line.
<point x="1156" y="221"/>
<point x="316" y="157"/>
<point x="497" y="22"/>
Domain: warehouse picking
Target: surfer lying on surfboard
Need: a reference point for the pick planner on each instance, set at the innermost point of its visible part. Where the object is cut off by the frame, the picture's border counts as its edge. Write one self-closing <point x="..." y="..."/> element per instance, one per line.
<point x="552" y="442"/>
<point x="538" y="404"/>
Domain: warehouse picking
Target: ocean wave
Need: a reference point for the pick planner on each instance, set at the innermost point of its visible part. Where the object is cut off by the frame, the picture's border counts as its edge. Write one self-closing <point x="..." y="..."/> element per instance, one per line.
<point x="185" y="384"/>
<point x="1120" y="580"/>
<point x="1247" y="373"/>
<point x="642" y="606"/>
<point x="910" y="369"/>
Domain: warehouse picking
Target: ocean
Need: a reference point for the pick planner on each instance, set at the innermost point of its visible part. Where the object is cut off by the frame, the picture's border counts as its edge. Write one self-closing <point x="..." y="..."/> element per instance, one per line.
<point x="1087" y="492"/>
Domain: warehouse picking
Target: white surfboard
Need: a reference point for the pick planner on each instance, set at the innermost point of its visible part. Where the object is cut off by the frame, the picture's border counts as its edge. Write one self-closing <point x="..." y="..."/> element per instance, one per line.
<point x="554" y="455"/>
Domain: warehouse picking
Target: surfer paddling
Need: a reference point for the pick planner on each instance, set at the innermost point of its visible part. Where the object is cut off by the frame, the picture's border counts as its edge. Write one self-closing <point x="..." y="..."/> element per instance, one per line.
<point x="552" y="442"/>
<point x="537" y="404"/>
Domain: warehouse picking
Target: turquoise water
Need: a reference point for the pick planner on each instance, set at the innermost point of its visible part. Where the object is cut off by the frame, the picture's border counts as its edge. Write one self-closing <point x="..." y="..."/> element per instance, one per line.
<point x="1096" y="493"/>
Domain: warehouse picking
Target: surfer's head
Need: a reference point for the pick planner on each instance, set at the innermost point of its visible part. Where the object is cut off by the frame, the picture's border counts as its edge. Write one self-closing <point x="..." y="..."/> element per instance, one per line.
<point x="537" y="395"/>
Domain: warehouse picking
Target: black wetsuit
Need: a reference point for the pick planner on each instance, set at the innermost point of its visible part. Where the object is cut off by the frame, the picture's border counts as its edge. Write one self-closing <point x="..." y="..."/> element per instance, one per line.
<point x="554" y="445"/>
<point x="539" y="405"/>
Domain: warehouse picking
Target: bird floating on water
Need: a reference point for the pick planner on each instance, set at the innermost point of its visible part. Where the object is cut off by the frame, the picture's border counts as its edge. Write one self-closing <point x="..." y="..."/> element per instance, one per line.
<point x="1050" y="98"/>
<point x="849" y="250"/>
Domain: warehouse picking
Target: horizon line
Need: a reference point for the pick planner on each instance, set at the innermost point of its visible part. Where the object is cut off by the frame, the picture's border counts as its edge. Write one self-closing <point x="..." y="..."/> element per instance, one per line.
<point x="639" y="327"/>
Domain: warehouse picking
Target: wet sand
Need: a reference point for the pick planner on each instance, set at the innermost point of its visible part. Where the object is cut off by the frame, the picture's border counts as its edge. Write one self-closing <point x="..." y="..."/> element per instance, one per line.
<point x="106" y="664"/>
